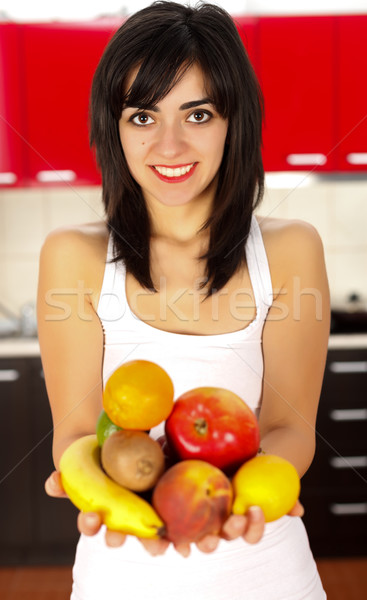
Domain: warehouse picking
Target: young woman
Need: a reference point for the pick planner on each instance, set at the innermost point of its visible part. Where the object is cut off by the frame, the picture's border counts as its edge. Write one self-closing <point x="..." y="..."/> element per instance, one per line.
<point x="182" y="273"/>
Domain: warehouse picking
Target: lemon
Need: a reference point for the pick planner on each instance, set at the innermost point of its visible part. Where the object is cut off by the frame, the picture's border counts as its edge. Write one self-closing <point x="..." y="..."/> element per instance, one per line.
<point x="268" y="481"/>
<point x="105" y="427"/>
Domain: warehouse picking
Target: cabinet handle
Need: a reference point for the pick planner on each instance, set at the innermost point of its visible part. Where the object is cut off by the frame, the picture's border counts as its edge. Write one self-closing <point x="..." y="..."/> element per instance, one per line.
<point x="348" y="414"/>
<point x="306" y="159"/>
<point x="9" y="375"/>
<point x="351" y="366"/>
<point x="346" y="462"/>
<point x="357" y="158"/>
<point x="8" y="178"/>
<point x="350" y="508"/>
<point x="55" y="176"/>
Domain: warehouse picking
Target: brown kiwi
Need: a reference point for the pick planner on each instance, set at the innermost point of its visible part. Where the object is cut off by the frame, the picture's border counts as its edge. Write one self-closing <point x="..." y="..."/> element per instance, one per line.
<point x="133" y="459"/>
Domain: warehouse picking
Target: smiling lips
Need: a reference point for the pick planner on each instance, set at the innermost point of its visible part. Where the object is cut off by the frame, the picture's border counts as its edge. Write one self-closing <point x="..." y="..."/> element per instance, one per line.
<point x="174" y="174"/>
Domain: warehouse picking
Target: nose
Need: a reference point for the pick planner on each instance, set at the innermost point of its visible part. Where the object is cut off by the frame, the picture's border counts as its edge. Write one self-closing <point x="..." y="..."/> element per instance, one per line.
<point x="170" y="142"/>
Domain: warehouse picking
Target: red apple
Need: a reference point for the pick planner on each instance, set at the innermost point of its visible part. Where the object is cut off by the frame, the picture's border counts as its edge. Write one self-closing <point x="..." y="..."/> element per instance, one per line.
<point x="214" y="425"/>
<point x="193" y="498"/>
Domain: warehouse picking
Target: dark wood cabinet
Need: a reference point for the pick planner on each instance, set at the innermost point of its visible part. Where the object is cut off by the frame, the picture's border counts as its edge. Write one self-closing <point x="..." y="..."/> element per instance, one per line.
<point x="16" y="499"/>
<point x="334" y="490"/>
<point x="56" y="532"/>
<point x="35" y="529"/>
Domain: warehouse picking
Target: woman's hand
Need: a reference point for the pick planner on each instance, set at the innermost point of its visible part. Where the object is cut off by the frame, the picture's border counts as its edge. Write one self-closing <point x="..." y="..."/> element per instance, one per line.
<point x="53" y="486"/>
<point x="250" y="527"/>
<point x="297" y="510"/>
<point x="88" y="523"/>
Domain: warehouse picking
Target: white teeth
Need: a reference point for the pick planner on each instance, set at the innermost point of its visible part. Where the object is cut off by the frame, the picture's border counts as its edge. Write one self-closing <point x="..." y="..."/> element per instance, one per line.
<point x="178" y="172"/>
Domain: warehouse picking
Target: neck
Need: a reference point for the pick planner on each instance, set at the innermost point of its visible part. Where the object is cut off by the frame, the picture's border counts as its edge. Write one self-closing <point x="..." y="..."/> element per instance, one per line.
<point x="178" y="224"/>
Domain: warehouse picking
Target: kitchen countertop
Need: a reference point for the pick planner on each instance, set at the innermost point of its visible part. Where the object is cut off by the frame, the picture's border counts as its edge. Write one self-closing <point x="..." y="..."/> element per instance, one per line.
<point x="19" y="347"/>
<point x="347" y="341"/>
<point x="23" y="347"/>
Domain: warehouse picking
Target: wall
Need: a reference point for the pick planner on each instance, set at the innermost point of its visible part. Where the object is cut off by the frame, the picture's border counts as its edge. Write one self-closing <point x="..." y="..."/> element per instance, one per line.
<point x="337" y="208"/>
<point x="26" y="217"/>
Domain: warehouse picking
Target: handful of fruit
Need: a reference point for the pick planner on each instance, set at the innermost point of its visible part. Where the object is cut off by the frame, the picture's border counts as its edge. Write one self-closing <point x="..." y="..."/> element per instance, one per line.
<point x="184" y="485"/>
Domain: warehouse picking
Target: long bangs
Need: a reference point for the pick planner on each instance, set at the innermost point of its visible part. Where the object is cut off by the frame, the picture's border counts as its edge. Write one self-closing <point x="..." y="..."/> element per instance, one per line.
<point x="192" y="41"/>
<point x="160" y="71"/>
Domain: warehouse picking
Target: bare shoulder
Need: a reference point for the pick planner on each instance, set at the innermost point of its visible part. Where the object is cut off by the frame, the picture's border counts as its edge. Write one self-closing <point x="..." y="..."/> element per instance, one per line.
<point x="79" y="243"/>
<point x="74" y="256"/>
<point x="87" y="234"/>
<point x="288" y="231"/>
<point x="292" y="246"/>
<point x="284" y="238"/>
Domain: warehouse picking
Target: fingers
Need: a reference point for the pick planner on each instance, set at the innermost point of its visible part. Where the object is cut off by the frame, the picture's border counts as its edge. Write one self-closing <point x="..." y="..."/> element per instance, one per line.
<point x="114" y="539"/>
<point x="53" y="486"/>
<point x="89" y="523"/>
<point x="234" y="527"/>
<point x="250" y="526"/>
<point x="297" y="510"/>
<point x="208" y="544"/>
<point x="155" y="547"/>
<point x="183" y="549"/>
<point x="255" y="525"/>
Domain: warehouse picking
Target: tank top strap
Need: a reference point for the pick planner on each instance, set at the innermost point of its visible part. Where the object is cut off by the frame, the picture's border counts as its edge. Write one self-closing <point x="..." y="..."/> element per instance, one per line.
<point x="112" y="277"/>
<point x="258" y="266"/>
<point x="110" y="252"/>
<point x="112" y="301"/>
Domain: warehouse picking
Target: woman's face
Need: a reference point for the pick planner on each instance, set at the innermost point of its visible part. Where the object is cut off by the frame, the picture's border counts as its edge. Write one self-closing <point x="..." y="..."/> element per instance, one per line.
<point x="174" y="149"/>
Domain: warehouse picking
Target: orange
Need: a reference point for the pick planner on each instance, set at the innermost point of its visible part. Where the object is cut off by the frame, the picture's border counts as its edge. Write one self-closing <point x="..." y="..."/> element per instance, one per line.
<point x="138" y="395"/>
<point x="268" y="481"/>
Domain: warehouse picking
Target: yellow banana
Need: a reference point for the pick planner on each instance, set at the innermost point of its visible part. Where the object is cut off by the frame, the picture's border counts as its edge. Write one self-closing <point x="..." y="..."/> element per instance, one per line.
<point x="90" y="489"/>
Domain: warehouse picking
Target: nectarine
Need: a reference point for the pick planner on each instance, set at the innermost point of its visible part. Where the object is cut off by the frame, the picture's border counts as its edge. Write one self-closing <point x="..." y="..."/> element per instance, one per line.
<point x="193" y="498"/>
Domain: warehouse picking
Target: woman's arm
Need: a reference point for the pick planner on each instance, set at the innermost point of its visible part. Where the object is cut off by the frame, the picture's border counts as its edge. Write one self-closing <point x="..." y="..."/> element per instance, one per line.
<point x="70" y="336"/>
<point x="295" y="344"/>
<point x="71" y="341"/>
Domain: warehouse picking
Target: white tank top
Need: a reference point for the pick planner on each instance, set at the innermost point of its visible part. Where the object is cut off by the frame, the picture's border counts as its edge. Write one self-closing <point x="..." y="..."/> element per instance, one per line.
<point x="281" y="565"/>
<point x="230" y="360"/>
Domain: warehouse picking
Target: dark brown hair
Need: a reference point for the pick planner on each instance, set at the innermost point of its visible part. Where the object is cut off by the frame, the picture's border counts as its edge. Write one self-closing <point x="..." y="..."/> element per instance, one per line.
<point x="165" y="39"/>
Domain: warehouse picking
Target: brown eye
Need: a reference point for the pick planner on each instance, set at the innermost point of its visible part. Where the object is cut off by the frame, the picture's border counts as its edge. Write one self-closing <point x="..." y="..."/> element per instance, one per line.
<point x="141" y="119"/>
<point x="199" y="116"/>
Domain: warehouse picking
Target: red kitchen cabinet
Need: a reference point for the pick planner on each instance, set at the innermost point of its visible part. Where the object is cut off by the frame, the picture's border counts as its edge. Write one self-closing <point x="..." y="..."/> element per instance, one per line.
<point x="298" y="81"/>
<point x="311" y="70"/>
<point x="59" y="63"/>
<point x="248" y="28"/>
<point x="352" y="92"/>
<point x="11" y="106"/>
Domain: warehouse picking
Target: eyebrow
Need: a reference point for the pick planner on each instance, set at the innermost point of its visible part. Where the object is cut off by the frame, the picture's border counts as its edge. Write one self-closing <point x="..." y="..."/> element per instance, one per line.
<point x="184" y="106"/>
<point x="195" y="103"/>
